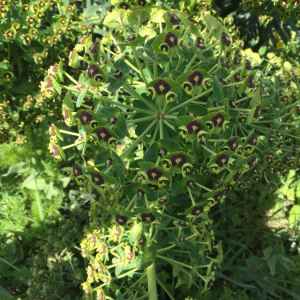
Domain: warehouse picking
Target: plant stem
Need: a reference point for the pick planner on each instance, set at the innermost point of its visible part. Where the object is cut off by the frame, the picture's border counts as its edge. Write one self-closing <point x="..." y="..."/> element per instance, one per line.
<point x="138" y="96"/>
<point x="152" y="289"/>
<point x="155" y="134"/>
<point x="172" y="261"/>
<point x="139" y="64"/>
<point x="164" y="288"/>
<point x="190" y="100"/>
<point x="69" y="132"/>
<point x="105" y="99"/>
<point x="190" y="63"/>
<point x="161" y="129"/>
<point x="124" y="154"/>
<point x="141" y="119"/>
<point x="191" y="196"/>
<point x="169" y="125"/>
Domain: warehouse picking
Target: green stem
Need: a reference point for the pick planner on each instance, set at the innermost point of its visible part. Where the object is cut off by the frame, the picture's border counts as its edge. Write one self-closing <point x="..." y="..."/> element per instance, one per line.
<point x="169" y="125"/>
<point x="124" y="154"/>
<point x="179" y="63"/>
<point x="161" y="129"/>
<point x="127" y="62"/>
<point x="130" y="203"/>
<point x="69" y="132"/>
<point x="139" y="64"/>
<point x="72" y="145"/>
<point x="203" y="187"/>
<point x="71" y="78"/>
<point x="105" y="99"/>
<point x="167" y="248"/>
<point x="191" y="196"/>
<point x="155" y="70"/>
<point x="210" y="151"/>
<point x="141" y="119"/>
<point x="152" y="288"/>
<point x="190" y="100"/>
<point x="138" y="96"/>
<point x="165" y="289"/>
<point x="155" y="134"/>
<point x="190" y="63"/>
<point x="172" y="261"/>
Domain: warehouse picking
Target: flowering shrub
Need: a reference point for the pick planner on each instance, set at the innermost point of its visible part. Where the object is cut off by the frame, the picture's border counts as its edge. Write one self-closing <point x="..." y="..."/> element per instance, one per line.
<point x="169" y="114"/>
<point x="33" y="36"/>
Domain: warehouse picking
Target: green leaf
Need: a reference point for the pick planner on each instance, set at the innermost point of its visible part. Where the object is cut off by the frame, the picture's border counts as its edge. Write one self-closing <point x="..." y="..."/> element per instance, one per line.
<point x="119" y="268"/>
<point x="68" y="102"/>
<point x="119" y="295"/>
<point x="57" y="86"/>
<point x="250" y="115"/>
<point x="272" y="264"/>
<point x="117" y="166"/>
<point x="5" y="295"/>
<point x="256" y="99"/>
<point x="138" y="16"/>
<point x="81" y="96"/>
<point x="217" y="91"/>
<point x="294" y="215"/>
<point x="114" y="19"/>
<point x="60" y="71"/>
<point x="30" y="184"/>
<point x="214" y="26"/>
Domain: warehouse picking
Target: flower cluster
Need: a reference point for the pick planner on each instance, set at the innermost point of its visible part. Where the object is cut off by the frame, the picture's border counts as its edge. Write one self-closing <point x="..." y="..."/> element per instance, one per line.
<point x="206" y="118"/>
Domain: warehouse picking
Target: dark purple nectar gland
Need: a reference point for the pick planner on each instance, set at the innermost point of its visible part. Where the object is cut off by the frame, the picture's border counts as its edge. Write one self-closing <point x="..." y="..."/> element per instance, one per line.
<point x="217" y="197"/>
<point x="197" y="210"/>
<point x="210" y="283"/>
<point x="222" y="160"/>
<point x="162" y="152"/>
<point x="122" y="220"/>
<point x="85" y="118"/>
<point x="109" y="161"/>
<point x="140" y="192"/>
<point x="225" y="39"/>
<point x="142" y="241"/>
<point x="253" y="140"/>
<point x="95" y="194"/>
<point x="93" y="48"/>
<point x="154" y="173"/>
<point x="233" y="144"/>
<point x="195" y="78"/>
<point x="148" y="217"/>
<point x="97" y="178"/>
<point x="112" y="120"/>
<point x="131" y="38"/>
<point x="164" y="48"/>
<point x="118" y="74"/>
<point x="178" y="160"/>
<point x="257" y="112"/>
<point x="182" y="223"/>
<point x="92" y="71"/>
<point x="171" y="39"/>
<point x="251" y="81"/>
<point x="174" y="19"/>
<point x="222" y="80"/>
<point x="124" y="5"/>
<point x="194" y="127"/>
<point x="249" y="67"/>
<point x="218" y="120"/>
<point x="162" y="87"/>
<point x="77" y="171"/>
<point x="103" y="134"/>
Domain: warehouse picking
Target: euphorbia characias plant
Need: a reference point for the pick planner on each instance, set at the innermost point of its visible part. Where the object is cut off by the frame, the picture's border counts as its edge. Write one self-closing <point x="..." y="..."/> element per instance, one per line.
<point x="174" y="114"/>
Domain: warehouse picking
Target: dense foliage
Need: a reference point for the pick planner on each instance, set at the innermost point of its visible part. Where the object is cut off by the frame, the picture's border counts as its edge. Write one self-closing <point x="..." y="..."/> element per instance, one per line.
<point x="176" y="135"/>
